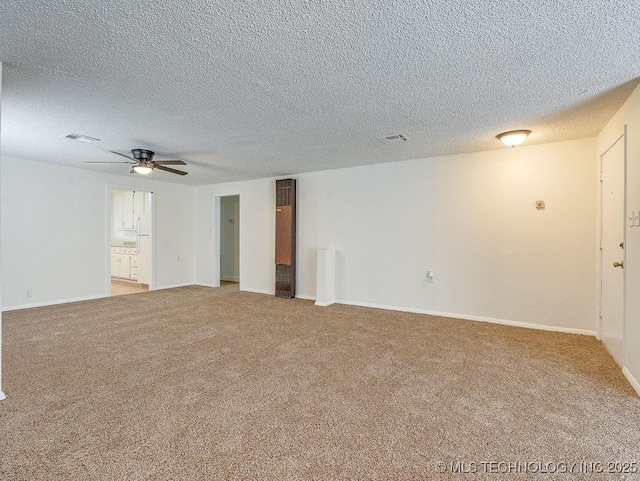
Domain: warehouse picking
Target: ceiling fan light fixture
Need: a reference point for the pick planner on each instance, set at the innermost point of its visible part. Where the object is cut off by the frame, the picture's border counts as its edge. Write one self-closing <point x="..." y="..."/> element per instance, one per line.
<point x="142" y="169"/>
<point x="513" y="137"/>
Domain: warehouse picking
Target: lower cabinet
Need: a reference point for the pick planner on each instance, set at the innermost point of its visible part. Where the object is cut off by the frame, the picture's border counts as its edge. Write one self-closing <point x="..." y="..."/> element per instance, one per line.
<point x="134" y="268"/>
<point x="124" y="265"/>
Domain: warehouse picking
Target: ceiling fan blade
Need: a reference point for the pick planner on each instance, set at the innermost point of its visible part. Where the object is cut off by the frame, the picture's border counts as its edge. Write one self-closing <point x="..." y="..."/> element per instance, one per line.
<point x="170" y="162"/>
<point x="100" y="162"/>
<point x="167" y="169"/>
<point x="123" y="155"/>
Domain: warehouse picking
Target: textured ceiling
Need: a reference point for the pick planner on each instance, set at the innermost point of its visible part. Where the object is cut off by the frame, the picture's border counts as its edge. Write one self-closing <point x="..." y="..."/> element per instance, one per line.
<point x="243" y="90"/>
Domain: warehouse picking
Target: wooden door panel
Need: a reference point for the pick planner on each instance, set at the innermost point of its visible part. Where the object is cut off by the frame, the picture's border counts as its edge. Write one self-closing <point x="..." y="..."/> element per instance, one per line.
<point x="284" y="228"/>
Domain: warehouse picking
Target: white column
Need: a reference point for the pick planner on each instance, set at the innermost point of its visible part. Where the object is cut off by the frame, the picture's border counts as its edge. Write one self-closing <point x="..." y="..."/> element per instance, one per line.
<point x="2" y="396"/>
<point x="326" y="282"/>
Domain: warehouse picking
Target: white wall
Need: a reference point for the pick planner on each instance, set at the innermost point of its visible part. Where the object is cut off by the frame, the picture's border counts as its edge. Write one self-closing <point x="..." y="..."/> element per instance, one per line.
<point x="174" y="239"/>
<point x="54" y="232"/>
<point x="204" y="235"/>
<point x="471" y="218"/>
<point x="629" y="115"/>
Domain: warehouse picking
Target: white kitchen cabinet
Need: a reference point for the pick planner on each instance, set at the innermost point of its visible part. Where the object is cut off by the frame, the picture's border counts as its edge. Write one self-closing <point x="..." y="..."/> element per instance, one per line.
<point x="121" y="263"/>
<point x="127" y="207"/>
<point x="138" y="206"/>
<point x="123" y="211"/>
<point x="118" y="211"/>
<point x="115" y="265"/>
<point x="134" y="267"/>
<point x="125" y="266"/>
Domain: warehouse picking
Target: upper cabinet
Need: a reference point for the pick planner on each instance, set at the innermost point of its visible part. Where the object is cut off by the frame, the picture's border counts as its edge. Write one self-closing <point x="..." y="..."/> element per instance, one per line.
<point x="139" y="206"/>
<point x="127" y="215"/>
<point x="123" y="210"/>
<point x="128" y="207"/>
<point x="118" y="211"/>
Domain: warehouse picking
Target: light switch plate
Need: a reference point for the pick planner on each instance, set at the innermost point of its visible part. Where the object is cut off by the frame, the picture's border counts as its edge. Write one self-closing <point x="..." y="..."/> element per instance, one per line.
<point x="632" y="218"/>
<point x="636" y="218"/>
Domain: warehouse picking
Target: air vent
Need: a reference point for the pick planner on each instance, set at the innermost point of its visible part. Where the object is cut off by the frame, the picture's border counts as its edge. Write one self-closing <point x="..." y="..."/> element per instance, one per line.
<point x="82" y="138"/>
<point x="393" y="139"/>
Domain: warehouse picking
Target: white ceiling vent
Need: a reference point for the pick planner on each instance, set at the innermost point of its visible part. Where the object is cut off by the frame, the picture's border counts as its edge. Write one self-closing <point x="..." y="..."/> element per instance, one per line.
<point x="393" y="139"/>
<point x="81" y="138"/>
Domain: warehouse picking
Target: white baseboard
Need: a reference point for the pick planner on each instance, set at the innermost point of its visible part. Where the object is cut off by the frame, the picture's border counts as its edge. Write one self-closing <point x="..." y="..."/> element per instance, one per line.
<point x="318" y="303"/>
<point x="52" y="303"/>
<point x="324" y="304"/>
<point x="173" y="286"/>
<point x="527" y="325"/>
<point x="230" y="278"/>
<point x="258" y="291"/>
<point x="201" y="284"/>
<point x="632" y="380"/>
<point x="491" y="320"/>
<point x="306" y="298"/>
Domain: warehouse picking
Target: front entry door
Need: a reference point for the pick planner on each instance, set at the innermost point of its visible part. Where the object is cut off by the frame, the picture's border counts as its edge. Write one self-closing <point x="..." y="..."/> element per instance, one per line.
<point x="612" y="250"/>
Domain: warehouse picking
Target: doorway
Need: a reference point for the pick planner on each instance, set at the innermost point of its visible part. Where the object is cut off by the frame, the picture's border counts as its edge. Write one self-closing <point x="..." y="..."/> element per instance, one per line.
<point x="229" y="239"/>
<point x="130" y="241"/>
<point x="612" y="233"/>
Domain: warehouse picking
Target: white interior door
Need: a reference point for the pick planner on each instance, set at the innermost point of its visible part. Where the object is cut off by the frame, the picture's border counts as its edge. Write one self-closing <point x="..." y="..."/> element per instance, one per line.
<point x="612" y="250"/>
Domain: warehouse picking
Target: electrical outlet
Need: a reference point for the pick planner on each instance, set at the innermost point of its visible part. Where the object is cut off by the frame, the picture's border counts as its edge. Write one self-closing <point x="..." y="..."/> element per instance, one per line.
<point x="28" y="293"/>
<point x="431" y="276"/>
<point x="178" y="257"/>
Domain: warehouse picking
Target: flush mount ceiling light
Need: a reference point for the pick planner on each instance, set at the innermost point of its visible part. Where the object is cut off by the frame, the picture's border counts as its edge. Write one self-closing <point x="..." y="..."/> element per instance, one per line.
<point x="142" y="169"/>
<point x="513" y="137"/>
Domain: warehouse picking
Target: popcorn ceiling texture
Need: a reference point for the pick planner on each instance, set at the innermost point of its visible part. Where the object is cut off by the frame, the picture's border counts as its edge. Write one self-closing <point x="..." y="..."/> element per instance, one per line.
<point x="254" y="89"/>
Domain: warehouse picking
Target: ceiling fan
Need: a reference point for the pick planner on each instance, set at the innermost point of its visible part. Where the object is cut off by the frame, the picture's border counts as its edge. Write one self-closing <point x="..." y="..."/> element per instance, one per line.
<point x="143" y="163"/>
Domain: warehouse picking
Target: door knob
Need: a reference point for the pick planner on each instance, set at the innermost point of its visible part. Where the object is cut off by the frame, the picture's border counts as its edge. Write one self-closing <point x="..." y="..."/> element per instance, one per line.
<point x="618" y="264"/>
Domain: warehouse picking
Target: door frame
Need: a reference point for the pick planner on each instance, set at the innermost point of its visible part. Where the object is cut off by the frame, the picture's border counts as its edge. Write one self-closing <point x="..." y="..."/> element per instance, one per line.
<point x="215" y="258"/>
<point x="107" y="248"/>
<point x="623" y="138"/>
<point x="236" y="238"/>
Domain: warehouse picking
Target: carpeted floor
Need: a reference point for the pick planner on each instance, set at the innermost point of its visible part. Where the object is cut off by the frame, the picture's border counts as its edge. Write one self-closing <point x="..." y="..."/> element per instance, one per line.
<point x="215" y="384"/>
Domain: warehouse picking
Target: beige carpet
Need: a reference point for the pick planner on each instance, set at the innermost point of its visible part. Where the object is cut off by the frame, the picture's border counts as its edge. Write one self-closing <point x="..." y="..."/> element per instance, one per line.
<point x="215" y="384"/>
